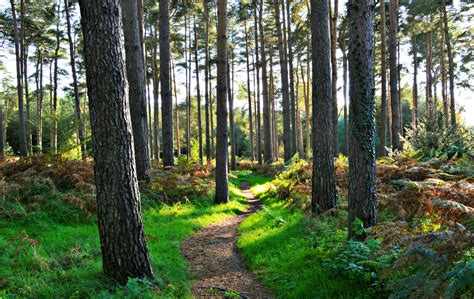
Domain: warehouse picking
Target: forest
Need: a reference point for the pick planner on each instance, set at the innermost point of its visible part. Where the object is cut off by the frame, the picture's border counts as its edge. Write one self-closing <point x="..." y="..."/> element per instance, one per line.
<point x="236" y="149"/>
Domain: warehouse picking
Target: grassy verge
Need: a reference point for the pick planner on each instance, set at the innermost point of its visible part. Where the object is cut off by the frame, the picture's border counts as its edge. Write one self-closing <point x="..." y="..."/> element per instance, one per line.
<point x="43" y="256"/>
<point x="297" y="257"/>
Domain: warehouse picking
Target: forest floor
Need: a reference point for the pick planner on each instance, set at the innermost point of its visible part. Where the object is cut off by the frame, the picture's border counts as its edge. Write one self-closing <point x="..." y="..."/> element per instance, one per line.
<point x="215" y="262"/>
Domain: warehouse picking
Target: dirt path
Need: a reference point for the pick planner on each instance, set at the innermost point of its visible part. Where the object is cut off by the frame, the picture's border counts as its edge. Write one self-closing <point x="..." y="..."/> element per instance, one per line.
<point x="215" y="263"/>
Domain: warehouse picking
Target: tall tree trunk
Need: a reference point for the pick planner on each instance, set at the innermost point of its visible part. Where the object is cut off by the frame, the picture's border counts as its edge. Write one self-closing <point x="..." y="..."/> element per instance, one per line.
<point x="335" y="116"/>
<point x="293" y="103"/>
<point x="176" y="116"/>
<point x="156" y="84"/>
<point x="222" y="188"/>
<point x="249" y="93"/>
<point x="267" y="125"/>
<point x="346" y="121"/>
<point x="54" y="103"/>
<point x="77" y="100"/>
<point x="396" y="131"/>
<point x="414" y="114"/>
<point x="307" y="152"/>
<point x="400" y="101"/>
<point x="284" y="82"/>
<point x="307" y="105"/>
<point x="206" y="82"/>
<point x="123" y="243"/>
<point x="19" y="79"/>
<point x="299" y="127"/>
<point x="24" y="67"/>
<point x="2" y="136"/>
<point x="362" y="188"/>
<point x="166" y="98"/>
<point x="444" y="84"/>
<point x="233" y="164"/>
<point x="188" y="101"/>
<point x="39" y="101"/>
<point x="429" y="79"/>
<point x="257" y="92"/>
<point x="196" y="61"/>
<point x="383" y="81"/>
<point x="450" y="64"/>
<point x="271" y="88"/>
<point x="324" y="180"/>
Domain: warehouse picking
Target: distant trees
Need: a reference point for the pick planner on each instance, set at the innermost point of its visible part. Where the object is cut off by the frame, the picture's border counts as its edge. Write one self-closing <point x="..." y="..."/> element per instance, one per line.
<point x="323" y="181"/>
<point x="222" y="188"/>
<point x="362" y="189"/>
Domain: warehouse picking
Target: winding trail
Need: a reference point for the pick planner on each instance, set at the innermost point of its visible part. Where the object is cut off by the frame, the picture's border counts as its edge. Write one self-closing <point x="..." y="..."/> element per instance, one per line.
<point x="216" y="264"/>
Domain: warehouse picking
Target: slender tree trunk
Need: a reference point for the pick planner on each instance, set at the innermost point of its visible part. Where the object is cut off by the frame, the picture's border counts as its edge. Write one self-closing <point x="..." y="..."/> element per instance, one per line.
<point x="196" y="61"/>
<point x="166" y="97"/>
<point x="429" y="79"/>
<point x="299" y="126"/>
<point x="123" y="243"/>
<point x="307" y="105"/>
<point x="222" y="188"/>
<point x="324" y="180"/>
<point x="267" y="125"/>
<point x="400" y="101"/>
<point x="206" y="86"/>
<point x="362" y="187"/>
<point x="24" y="66"/>
<point x="383" y="114"/>
<point x="77" y="100"/>
<point x="211" y="114"/>
<point x="284" y="82"/>
<point x="306" y="110"/>
<point x="335" y="118"/>
<point x="156" y="83"/>
<point x="188" y="102"/>
<point x="257" y="93"/>
<point x="346" y="120"/>
<point x="396" y="130"/>
<point x="22" y="124"/>
<point x="444" y="84"/>
<point x="54" y="106"/>
<point x="233" y="164"/>
<point x="2" y="132"/>
<point x="293" y="103"/>
<point x="176" y="111"/>
<point x="414" y="114"/>
<point x="39" y="101"/>
<point x="276" y="153"/>
<point x="249" y="93"/>
<point x="450" y="64"/>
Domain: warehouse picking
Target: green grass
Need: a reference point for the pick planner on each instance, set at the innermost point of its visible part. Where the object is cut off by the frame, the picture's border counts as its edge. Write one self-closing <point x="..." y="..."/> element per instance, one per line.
<point x="66" y="262"/>
<point x="292" y="254"/>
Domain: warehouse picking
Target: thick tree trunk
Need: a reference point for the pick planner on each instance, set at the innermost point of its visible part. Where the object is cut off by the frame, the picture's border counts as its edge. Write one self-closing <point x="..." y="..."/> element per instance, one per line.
<point x="267" y="125"/>
<point x="77" y="100"/>
<point x="19" y="79"/>
<point x="166" y="97"/>
<point x="383" y="81"/>
<point x="249" y="93"/>
<point x="396" y="130"/>
<point x="257" y="92"/>
<point x="123" y="243"/>
<point x="335" y="116"/>
<point x="414" y="113"/>
<point x="362" y="188"/>
<point x="206" y="86"/>
<point x="324" y="180"/>
<point x="222" y="187"/>
<point x="198" y="96"/>
<point x="284" y="85"/>
<point x="156" y="85"/>
<point x="450" y="64"/>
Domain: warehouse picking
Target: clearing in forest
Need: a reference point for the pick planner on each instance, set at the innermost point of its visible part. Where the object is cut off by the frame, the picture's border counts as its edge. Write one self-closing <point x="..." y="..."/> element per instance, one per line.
<point x="213" y="258"/>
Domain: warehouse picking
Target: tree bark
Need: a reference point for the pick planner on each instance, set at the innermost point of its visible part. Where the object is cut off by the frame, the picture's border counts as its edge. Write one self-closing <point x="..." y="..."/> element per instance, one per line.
<point x="19" y="79"/>
<point x="257" y="93"/>
<point x="323" y="181"/>
<point x="271" y="88"/>
<point x="54" y="103"/>
<point x="206" y="82"/>
<point x="284" y="85"/>
<point x="39" y="101"/>
<point x="156" y="83"/>
<point x="450" y="64"/>
<point x="293" y="103"/>
<point x="198" y="96"/>
<point x="267" y="125"/>
<point x="362" y="188"/>
<point x="176" y="111"/>
<point x="444" y="83"/>
<point x="77" y="100"/>
<point x="429" y="79"/>
<point x="166" y="98"/>
<point x="233" y="164"/>
<point x="222" y="188"/>
<point x="249" y="93"/>
<point x="123" y="243"/>
<point x="414" y="114"/>
<point x="335" y="118"/>
<point x="396" y="130"/>
<point x="383" y="104"/>
<point x="24" y="67"/>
